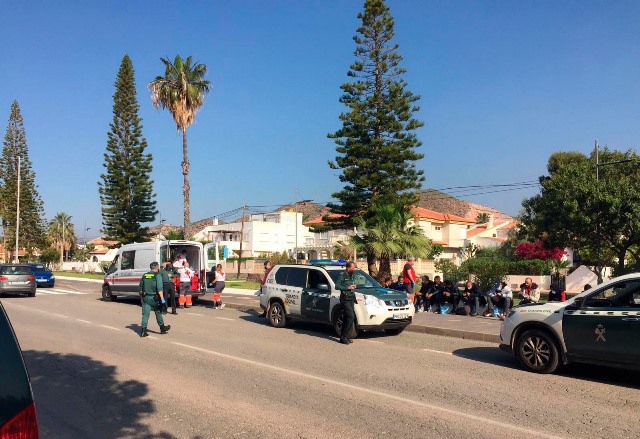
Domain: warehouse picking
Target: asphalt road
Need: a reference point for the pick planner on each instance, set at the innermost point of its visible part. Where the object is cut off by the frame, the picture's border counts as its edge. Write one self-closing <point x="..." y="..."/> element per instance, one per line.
<point x="228" y="374"/>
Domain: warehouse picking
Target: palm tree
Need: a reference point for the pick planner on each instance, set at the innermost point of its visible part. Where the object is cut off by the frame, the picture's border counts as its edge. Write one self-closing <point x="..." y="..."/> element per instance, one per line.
<point x="181" y="91"/>
<point x="387" y="234"/>
<point x="482" y="218"/>
<point x="61" y="233"/>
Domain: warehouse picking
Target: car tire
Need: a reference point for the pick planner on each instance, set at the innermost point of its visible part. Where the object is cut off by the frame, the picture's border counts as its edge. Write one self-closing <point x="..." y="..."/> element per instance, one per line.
<point x="107" y="296"/>
<point x="337" y="325"/>
<point x="277" y="315"/>
<point x="32" y="294"/>
<point x="537" y="351"/>
<point x="395" y="331"/>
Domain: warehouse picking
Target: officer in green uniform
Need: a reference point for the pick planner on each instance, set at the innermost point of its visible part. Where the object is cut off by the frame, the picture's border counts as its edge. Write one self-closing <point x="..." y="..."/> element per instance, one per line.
<point x="168" y="288"/>
<point x="150" y="286"/>
<point x="346" y="283"/>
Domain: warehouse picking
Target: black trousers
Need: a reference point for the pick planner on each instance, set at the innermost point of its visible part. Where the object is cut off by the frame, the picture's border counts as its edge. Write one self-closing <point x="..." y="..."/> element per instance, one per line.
<point x="169" y="291"/>
<point x="348" y="317"/>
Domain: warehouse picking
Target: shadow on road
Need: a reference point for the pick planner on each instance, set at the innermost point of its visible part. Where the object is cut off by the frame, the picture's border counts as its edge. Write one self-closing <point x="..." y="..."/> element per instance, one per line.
<point x="77" y="396"/>
<point x="588" y="372"/>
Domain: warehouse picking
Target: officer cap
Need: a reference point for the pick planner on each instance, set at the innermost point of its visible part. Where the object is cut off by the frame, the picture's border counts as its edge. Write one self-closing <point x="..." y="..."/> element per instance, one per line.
<point x="154" y="264"/>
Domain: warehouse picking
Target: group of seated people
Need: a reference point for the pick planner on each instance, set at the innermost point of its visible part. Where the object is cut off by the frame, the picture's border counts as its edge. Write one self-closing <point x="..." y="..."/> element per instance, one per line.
<point x="470" y="301"/>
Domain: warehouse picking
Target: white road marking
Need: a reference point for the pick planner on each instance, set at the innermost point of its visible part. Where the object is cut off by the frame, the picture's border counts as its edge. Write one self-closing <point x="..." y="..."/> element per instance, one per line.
<point x="225" y="318"/>
<point x="438" y="352"/>
<point x="50" y="292"/>
<point x="193" y="314"/>
<point x="58" y="290"/>
<point x="430" y="407"/>
<point x="110" y="327"/>
<point x="83" y="321"/>
<point x="371" y="341"/>
<point x="54" y="314"/>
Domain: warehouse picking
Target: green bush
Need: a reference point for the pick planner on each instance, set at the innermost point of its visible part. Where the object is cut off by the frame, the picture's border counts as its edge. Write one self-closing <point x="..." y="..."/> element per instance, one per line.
<point x="530" y="267"/>
<point x="486" y="270"/>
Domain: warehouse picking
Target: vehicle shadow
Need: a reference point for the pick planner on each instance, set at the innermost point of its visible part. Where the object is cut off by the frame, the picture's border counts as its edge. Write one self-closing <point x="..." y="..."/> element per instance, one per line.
<point x="77" y="396"/>
<point x="588" y="372"/>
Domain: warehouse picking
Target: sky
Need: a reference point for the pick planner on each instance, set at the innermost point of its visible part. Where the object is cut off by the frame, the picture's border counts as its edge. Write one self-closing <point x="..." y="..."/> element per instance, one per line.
<point x="503" y="84"/>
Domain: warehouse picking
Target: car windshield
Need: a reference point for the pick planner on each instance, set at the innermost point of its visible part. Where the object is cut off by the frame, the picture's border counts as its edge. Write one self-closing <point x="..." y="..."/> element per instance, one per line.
<point x="8" y="270"/>
<point x="362" y="279"/>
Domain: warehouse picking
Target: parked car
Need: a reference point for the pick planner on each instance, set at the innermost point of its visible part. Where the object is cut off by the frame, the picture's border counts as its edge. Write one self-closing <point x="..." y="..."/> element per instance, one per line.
<point x="44" y="276"/>
<point x="17" y="278"/>
<point x="308" y="293"/>
<point x="17" y="410"/>
<point x="599" y="326"/>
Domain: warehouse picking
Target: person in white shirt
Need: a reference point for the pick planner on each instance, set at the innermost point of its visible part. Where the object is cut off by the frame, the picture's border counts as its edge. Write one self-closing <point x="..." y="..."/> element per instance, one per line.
<point x="220" y="279"/>
<point x="184" y="300"/>
<point x="500" y="297"/>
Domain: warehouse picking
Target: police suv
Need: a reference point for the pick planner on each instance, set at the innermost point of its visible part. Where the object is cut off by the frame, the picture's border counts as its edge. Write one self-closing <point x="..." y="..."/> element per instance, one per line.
<point x="599" y="326"/>
<point x="308" y="293"/>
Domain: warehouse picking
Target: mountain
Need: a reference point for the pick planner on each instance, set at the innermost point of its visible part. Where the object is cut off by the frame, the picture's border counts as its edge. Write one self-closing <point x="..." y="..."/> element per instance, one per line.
<point x="445" y="203"/>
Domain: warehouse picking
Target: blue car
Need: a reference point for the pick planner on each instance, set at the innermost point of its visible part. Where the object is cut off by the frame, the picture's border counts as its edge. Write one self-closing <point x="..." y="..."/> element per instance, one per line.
<point x="44" y="276"/>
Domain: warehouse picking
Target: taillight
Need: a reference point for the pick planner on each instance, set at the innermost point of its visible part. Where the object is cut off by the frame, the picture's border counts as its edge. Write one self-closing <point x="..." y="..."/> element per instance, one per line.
<point x="24" y="425"/>
<point x="31" y="278"/>
<point x="4" y="278"/>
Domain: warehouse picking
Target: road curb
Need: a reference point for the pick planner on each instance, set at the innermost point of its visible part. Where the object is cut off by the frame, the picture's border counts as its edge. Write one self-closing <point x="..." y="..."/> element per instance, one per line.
<point x="80" y="279"/>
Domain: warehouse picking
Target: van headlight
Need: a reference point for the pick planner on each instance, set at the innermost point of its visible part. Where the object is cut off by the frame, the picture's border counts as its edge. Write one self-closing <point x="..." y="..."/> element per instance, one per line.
<point x="373" y="301"/>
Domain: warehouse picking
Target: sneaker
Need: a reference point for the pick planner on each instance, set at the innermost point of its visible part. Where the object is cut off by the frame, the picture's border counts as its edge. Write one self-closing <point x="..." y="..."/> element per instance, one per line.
<point x="487" y="313"/>
<point x="222" y="306"/>
<point x="502" y="316"/>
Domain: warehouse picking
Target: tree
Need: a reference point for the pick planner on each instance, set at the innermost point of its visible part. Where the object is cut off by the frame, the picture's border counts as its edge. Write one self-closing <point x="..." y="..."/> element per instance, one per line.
<point x="388" y="234"/>
<point x="49" y="256"/>
<point x="598" y="218"/>
<point x="126" y="189"/>
<point x="537" y="250"/>
<point x="15" y="155"/>
<point x="482" y="218"/>
<point x="376" y="144"/>
<point x="181" y="91"/>
<point x="62" y="234"/>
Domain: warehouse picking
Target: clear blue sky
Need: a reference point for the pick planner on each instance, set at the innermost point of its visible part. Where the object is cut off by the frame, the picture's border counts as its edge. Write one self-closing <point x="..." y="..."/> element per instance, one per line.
<point x="503" y="84"/>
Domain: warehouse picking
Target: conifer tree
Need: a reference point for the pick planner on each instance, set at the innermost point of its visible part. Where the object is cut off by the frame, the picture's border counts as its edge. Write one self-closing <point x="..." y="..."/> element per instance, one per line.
<point x="377" y="141"/>
<point x="31" y="233"/>
<point x="126" y="189"/>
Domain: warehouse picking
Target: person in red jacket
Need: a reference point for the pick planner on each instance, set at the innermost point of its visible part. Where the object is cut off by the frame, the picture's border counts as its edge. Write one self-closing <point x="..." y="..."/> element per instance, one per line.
<point x="409" y="276"/>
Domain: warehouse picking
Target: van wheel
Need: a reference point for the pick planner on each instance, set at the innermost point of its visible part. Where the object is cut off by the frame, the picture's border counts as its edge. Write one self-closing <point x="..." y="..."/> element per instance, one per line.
<point x="277" y="315"/>
<point x="337" y="325"/>
<point x="395" y="331"/>
<point x="106" y="294"/>
<point x="537" y="351"/>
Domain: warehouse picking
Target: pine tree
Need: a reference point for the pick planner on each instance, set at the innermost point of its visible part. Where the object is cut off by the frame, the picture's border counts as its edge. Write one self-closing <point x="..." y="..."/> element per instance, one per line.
<point x="377" y="141"/>
<point x="32" y="222"/>
<point x="126" y="189"/>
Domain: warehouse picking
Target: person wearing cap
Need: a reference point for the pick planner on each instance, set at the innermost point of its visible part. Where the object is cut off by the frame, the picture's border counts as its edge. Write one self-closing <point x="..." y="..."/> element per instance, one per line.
<point x="501" y="297"/>
<point x="151" y="285"/>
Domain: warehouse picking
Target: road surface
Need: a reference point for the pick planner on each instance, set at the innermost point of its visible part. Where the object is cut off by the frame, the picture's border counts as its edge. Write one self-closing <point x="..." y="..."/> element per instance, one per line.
<point x="228" y="374"/>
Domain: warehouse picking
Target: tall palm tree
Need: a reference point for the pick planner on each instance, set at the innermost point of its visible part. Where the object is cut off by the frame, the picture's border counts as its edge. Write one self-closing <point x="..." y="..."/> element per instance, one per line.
<point x="387" y="234"/>
<point x="181" y="91"/>
<point x="61" y="233"/>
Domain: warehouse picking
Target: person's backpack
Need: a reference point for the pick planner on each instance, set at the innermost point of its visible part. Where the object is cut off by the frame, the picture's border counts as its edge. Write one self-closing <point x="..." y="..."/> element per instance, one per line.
<point x="464" y="310"/>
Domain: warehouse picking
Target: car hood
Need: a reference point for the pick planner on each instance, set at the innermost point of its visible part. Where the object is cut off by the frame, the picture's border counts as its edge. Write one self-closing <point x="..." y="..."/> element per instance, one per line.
<point x="553" y="306"/>
<point x="382" y="293"/>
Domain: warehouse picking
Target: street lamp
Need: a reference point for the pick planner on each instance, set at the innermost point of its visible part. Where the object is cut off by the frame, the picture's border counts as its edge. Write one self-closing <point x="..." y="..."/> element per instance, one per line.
<point x="84" y="243"/>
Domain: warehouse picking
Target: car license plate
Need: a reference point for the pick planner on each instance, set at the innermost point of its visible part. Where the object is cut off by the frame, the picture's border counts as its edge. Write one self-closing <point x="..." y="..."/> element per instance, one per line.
<point x="15" y="282"/>
<point x="400" y="316"/>
<point x="42" y="280"/>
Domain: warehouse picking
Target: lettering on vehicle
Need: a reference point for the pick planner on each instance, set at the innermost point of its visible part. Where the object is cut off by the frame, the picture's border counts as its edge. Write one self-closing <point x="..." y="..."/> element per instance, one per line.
<point x="543" y="311"/>
<point x="290" y="298"/>
<point x="600" y="333"/>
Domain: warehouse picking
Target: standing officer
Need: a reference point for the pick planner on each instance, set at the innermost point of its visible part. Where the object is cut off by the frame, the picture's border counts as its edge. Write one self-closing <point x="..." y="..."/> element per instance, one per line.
<point x="168" y="288"/>
<point x="346" y="284"/>
<point x="150" y="286"/>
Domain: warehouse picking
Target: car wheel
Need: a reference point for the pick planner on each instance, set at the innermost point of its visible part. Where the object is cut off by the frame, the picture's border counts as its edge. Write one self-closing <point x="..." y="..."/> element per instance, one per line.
<point x="32" y="294"/>
<point x="107" y="295"/>
<point x="277" y="315"/>
<point x="395" y="331"/>
<point x="537" y="351"/>
<point x="337" y="325"/>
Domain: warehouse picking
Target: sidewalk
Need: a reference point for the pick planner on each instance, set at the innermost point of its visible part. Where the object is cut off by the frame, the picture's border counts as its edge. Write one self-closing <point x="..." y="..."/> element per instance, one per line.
<point x="470" y="328"/>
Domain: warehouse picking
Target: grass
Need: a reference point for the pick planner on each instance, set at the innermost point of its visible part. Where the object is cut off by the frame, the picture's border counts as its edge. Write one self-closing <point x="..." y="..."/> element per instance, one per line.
<point x="79" y="274"/>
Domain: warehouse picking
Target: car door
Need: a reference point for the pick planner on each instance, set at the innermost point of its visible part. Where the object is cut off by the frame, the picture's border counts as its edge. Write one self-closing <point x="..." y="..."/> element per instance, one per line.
<point x="296" y="282"/>
<point x="606" y="327"/>
<point x="210" y="256"/>
<point x="316" y="296"/>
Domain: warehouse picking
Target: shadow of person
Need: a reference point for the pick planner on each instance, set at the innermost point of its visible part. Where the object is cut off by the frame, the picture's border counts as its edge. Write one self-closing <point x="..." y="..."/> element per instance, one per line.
<point x="77" y="396"/>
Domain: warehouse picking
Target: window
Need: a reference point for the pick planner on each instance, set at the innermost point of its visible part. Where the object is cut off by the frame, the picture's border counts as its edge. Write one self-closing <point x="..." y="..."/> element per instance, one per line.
<point x="621" y="294"/>
<point x="16" y="270"/>
<point x="437" y="228"/>
<point x="281" y="275"/>
<point x="324" y="236"/>
<point x="297" y="277"/>
<point x="316" y="277"/>
<point x="144" y="258"/>
<point x="128" y="258"/>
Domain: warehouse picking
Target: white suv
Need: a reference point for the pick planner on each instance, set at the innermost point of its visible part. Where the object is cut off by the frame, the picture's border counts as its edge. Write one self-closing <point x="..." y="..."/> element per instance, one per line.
<point x="308" y="292"/>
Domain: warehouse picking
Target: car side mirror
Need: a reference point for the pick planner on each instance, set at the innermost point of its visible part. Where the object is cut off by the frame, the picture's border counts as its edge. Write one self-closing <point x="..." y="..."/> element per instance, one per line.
<point x="578" y="302"/>
<point x="323" y="287"/>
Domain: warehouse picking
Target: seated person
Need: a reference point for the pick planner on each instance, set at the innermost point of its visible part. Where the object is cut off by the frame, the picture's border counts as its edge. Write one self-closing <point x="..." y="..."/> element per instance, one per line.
<point x="434" y="290"/>
<point x="449" y="294"/>
<point x="471" y="297"/>
<point x="421" y="296"/>
<point x="387" y="283"/>
<point x="501" y="297"/>
<point x="399" y="286"/>
<point x="529" y="292"/>
<point x="556" y="294"/>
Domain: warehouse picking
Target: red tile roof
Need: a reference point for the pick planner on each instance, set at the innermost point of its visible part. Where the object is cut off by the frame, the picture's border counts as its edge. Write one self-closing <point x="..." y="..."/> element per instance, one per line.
<point x="420" y="212"/>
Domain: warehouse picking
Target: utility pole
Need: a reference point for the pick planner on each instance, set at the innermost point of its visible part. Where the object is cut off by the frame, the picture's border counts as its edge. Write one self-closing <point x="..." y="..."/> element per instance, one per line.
<point x="15" y="259"/>
<point x="295" y="209"/>
<point x="244" y="208"/>
<point x="84" y="243"/>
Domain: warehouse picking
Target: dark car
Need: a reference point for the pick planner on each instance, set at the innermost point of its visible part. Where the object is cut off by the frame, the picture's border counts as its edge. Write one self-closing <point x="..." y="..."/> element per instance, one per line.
<point x="17" y="408"/>
<point x="44" y="276"/>
<point x="17" y="278"/>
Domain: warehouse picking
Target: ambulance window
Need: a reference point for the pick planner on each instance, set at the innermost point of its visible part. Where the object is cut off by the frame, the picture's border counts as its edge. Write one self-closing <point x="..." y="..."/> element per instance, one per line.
<point x="316" y="277"/>
<point x="128" y="259"/>
<point x="297" y="277"/>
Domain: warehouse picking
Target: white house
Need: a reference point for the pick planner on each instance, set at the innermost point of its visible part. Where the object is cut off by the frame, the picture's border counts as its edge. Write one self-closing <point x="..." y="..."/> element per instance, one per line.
<point x="490" y="234"/>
